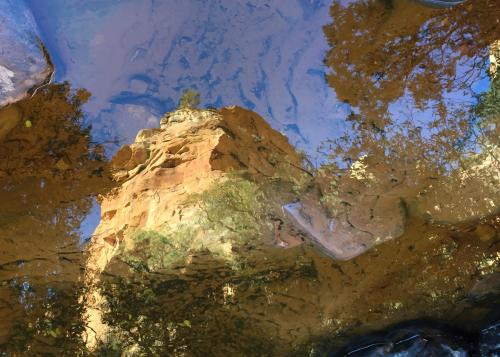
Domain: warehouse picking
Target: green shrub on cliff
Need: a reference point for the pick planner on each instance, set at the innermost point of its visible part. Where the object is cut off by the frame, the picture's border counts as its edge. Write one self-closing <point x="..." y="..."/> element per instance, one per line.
<point x="231" y="213"/>
<point x="190" y="98"/>
<point x="234" y="208"/>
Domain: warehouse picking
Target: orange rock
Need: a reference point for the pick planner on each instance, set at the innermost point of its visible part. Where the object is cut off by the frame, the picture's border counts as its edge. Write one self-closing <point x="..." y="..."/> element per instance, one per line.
<point x="158" y="173"/>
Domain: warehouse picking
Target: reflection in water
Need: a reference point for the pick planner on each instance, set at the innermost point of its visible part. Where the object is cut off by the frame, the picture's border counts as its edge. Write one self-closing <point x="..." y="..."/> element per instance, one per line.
<point x="417" y="130"/>
<point x="400" y="48"/>
<point x="280" y="298"/>
<point x="136" y="57"/>
<point x="48" y="171"/>
<point x="181" y="262"/>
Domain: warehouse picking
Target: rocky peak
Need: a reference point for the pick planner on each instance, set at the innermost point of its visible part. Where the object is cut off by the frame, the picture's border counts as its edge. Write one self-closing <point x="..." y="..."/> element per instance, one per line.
<point x="191" y="151"/>
<point x="188" y="115"/>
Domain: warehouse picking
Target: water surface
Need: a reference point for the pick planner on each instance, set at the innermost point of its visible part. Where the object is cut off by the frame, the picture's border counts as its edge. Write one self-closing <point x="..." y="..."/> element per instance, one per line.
<point x="387" y="99"/>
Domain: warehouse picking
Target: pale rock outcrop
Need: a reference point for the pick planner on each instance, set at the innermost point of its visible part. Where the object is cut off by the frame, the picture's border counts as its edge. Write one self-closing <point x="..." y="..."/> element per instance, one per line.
<point x="355" y="229"/>
<point x="366" y="208"/>
<point x="163" y="166"/>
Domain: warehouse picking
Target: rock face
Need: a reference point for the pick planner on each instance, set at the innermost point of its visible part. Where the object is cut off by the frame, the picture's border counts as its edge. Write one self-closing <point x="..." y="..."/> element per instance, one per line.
<point x="24" y="64"/>
<point x="191" y="150"/>
<point x="158" y="174"/>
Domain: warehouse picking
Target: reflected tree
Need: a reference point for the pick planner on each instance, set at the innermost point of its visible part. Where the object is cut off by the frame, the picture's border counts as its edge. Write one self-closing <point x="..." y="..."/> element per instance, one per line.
<point x="49" y="172"/>
<point x="398" y="47"/>
<point x="408" y="73"/>
<point x="203" y="307"/>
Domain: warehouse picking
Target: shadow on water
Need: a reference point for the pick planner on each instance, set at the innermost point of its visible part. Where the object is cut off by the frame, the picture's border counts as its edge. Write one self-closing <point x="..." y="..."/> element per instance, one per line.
<point x="299" y="300"/>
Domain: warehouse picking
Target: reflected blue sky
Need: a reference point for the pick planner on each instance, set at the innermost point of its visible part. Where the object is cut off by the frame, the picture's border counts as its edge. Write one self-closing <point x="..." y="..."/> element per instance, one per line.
<point x="136" y="57"/>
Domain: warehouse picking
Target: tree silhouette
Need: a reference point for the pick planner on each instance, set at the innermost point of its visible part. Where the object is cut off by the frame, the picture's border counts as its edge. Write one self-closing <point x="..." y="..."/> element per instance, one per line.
<point x="383" y="50"/>
<point x="425" y="60"/>
<point x="49" y="172"/>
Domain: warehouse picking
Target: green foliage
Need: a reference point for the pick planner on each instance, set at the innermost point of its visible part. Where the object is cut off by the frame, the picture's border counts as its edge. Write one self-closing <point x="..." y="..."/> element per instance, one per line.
<point x="49" y="323"/>
<point x="486" y="114"/>
<point x="234" y="208"/>
<point x="190" y="99"/>
<point x="165" y="314"/>
<point x="489" y="102"/>
<point x="232" y="212"/>
<point x="154" y="250"/>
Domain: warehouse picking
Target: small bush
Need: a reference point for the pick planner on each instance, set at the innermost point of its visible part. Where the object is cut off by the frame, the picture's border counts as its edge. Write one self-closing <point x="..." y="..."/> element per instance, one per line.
<point x="190" y="98"/>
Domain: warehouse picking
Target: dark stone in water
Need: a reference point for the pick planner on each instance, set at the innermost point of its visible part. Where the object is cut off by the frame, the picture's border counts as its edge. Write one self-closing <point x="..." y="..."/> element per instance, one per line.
<point x="409" y="341"/>
<point x="426" y="339"/>
<point x="489" y="341"/>
<point x="24" y="63"/>
<point x="440" y="3"/>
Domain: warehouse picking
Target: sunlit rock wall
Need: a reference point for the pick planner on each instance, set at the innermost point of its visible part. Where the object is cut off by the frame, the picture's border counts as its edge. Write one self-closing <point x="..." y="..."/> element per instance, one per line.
<point x="192" y="151"/>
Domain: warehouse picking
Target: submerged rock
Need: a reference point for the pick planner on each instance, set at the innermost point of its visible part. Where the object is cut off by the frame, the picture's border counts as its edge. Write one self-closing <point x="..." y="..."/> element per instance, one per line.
<point x="24" y="64"/>
<point x="412" y="341"/>
<point x="489" y="341"/>
<point x="355" y="229"/>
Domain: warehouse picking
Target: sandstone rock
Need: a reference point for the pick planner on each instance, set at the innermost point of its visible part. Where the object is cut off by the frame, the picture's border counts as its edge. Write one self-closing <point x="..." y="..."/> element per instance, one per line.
<point x="187" y="156"/>
<point x="138" y="156"/>
<point x="335" y="237"/>
<point x="354" y="230"/>
<point x="186" y="114"/>
<point x="363" y="206"/>
<point x="494" y="54"/>
<point x="145" y="134"/>
<point x="122" y="156"/>
<point x="193" y="151"/>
